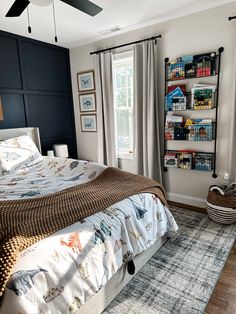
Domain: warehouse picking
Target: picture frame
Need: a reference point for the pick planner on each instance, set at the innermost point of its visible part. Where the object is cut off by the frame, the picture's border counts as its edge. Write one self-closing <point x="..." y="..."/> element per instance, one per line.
<point x="87" y="102"/>
<point x="1" y="110"/>
<point x="88" y="122"/>
<point x="86" y="81"/>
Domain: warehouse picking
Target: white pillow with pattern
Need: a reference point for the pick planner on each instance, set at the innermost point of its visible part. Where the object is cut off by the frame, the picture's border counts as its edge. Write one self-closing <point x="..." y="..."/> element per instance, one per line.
<point x="17" y="151"/>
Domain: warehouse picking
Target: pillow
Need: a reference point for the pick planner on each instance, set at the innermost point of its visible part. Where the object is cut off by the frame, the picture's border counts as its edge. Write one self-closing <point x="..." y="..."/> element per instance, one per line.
<point x="16" y="152"/>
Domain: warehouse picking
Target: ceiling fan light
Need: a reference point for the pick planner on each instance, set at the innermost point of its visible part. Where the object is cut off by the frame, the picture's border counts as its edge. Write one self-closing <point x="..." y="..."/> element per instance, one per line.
<point x="41" y="2"/>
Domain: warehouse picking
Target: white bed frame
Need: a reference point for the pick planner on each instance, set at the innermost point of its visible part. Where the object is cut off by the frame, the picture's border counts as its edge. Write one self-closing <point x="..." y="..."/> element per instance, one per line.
<point x="98" y="302"/>
<point x="33" y="133"/>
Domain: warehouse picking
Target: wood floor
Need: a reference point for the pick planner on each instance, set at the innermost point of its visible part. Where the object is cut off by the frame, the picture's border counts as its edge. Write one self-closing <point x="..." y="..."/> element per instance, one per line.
<point x="223" y="299"/>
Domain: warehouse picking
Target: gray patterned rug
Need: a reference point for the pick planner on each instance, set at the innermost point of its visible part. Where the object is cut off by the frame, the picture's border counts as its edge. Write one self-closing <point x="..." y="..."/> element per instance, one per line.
<point x="181" y="276"/>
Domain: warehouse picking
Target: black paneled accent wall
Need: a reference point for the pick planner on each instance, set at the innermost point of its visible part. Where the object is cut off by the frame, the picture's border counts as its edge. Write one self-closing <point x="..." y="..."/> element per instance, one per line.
<point x="35" y="88"/>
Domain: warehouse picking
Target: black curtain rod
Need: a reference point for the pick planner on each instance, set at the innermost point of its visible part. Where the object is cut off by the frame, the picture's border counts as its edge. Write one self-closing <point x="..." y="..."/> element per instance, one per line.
<point x="231" y="18"/>
<point x="131" y="43"/>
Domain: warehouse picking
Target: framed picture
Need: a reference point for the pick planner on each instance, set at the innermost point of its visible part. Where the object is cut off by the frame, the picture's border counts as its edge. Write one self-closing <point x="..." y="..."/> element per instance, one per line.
<point x="87" y="102"/>
<point x="86" y="81"/>
<point x="1" y="110"/>
<point x="89" y="123"/>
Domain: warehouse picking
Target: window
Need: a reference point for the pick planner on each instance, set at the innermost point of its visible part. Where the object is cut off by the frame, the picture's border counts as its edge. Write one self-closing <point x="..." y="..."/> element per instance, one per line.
<point x="123" y="101"/>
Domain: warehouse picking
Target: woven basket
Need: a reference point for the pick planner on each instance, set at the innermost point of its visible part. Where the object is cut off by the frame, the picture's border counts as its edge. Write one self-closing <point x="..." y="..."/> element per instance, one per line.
<point x="221" y="208"/>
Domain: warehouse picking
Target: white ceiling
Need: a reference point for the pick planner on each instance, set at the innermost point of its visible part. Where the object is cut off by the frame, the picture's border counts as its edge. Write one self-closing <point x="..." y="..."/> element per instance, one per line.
<point x="75" y="28"/>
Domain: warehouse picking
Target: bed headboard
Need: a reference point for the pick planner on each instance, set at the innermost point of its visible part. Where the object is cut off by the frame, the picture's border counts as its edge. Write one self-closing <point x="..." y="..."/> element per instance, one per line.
<point x="31" y="132"/>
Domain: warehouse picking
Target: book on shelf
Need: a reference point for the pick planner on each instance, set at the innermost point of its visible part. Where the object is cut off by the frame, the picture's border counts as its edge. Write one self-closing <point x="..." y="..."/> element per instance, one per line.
<point x="189" y="66"/>
<point x="176" y="70"/>
<point x="203" y="97"/>
<point x="198" y="121"/>
<point x="179" y="103"/>
<point x="185" y="160"/>
<point x="205" y="64"/>
<point x="176" y="98"/>
<point x="171" y="160"/>
<point x="200" y="129"/>
<point x="203" y="161"/>
<point x="174" y="121"/>
<point x="173" y="87"/>
<point x="169" y="134"/>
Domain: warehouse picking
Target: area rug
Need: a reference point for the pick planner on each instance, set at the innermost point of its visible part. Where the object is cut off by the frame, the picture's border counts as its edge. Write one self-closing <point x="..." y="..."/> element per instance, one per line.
<point x="181" y="276"/>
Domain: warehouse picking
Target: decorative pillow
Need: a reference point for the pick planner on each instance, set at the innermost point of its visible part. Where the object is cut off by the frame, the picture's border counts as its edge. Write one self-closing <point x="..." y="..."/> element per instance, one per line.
<point x="16" y="152"/>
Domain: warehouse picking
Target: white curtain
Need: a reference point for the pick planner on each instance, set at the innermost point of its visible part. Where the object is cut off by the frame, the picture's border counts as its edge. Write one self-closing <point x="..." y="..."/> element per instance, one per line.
<point x="233" y="140"/>
<point x="105" y="108"/>
<point x="147" y="136"/>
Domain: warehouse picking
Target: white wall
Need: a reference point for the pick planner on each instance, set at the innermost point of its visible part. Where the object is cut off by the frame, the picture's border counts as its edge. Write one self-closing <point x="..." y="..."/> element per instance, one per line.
<point x="196" y="33"/>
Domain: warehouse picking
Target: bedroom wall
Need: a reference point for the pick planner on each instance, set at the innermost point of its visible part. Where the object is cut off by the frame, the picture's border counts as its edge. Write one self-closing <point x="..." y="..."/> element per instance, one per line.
<point x="35" y="88"/>
<point x="196" y="33"/>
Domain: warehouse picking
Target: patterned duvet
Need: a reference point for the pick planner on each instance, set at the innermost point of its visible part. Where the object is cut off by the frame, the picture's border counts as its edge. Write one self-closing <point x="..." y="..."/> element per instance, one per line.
<point x="59" y="273"/>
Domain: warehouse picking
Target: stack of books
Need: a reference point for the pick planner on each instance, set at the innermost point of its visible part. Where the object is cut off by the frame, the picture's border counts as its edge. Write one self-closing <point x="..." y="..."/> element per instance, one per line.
<point x="192" y="66"/>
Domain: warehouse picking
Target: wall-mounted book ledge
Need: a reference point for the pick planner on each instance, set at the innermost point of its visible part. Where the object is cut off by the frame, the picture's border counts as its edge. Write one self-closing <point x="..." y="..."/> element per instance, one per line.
<point x="197" y="96"/>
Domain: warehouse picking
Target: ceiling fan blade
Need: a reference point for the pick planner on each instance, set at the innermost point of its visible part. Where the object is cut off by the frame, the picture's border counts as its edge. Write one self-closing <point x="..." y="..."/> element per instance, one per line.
<point x="85" y="6"/>
<point x="17" y="8"/>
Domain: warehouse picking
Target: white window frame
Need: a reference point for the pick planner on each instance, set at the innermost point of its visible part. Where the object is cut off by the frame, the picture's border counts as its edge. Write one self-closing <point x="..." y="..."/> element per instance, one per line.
<point x="121" y="58"/>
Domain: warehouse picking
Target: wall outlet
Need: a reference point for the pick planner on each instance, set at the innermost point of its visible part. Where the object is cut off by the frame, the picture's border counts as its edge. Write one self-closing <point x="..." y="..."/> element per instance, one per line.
<point x="226" y="176"/>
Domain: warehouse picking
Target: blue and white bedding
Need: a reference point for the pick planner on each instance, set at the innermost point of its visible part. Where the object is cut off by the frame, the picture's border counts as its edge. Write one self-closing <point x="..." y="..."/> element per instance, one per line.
<point x="61" y="272"/>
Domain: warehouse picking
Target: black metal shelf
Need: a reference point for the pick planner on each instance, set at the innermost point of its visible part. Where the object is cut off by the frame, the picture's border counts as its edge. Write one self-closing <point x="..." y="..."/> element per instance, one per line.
<point x="194" y="162"/>
<point x="191" y="110"/>
<point x="188" y="95"/>
<point x="207" y="171"/>
<point x="191" y="78"/>
<point x="190" y="141"/>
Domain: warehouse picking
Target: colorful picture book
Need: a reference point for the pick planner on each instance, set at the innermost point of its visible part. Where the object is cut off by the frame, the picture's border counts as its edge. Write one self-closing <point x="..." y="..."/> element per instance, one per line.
<point x="169" y="134"/>
<point x="176" y="70"/>
<point x="203" y="97"/>
<point x="203" y="161"/>
<point x="171" y="160"/>
<point x="176" y="98"/>
<point x="173" y="87"/>
<point x="189" y="66"/>
<point x="174" y="121"/>
<point x="200" y="129"/>
<point x="201" y="132"/>
<point x="205" y="64"/>
<point x="185" y="160"/>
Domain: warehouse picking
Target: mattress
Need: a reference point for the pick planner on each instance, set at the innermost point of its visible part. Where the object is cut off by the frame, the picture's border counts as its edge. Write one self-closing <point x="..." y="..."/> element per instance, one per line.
<point x="61" y="272"/>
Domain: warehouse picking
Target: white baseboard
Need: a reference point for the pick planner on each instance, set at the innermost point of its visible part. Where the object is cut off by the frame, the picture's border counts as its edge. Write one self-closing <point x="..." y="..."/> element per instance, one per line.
<point x="185" y="199"/>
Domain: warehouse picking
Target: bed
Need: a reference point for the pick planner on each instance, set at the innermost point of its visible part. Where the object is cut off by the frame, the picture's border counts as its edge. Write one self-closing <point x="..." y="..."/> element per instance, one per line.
<point x="82" y="267"/>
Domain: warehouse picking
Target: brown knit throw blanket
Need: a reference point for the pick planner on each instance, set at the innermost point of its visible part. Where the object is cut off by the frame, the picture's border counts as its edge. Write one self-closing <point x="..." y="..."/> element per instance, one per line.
<point x="24" y="222"/>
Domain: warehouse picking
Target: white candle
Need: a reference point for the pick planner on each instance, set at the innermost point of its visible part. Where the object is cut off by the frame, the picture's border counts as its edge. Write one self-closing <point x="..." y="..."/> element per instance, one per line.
<point x="61" y="150"/>
<point x="50" y="153"/>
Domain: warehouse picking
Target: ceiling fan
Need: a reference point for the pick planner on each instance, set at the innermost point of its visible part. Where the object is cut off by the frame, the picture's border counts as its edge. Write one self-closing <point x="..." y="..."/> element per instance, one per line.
<point x="85" y="6"/>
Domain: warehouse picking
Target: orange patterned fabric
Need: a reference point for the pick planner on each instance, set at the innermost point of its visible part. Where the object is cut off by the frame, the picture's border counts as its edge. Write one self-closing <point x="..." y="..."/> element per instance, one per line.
<point x="25" y="222"/>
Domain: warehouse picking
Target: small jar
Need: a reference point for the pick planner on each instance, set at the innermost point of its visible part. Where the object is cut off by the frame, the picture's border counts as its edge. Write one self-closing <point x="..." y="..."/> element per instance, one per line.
<point x="50" y="153"/>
